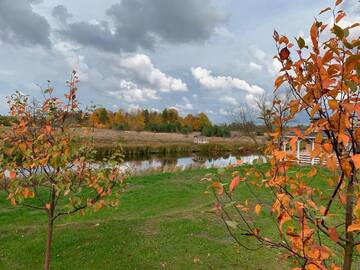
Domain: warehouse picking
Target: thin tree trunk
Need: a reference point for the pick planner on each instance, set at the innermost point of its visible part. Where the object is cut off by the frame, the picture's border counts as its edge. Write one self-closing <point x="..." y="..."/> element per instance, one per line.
<point x="48" y="244"/>
<point x="348" y="221"/>
<point x="50" y="229"/>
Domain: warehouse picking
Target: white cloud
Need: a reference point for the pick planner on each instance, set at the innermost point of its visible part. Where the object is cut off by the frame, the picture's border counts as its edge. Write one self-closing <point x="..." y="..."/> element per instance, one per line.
<point x="262" y="61"/>
<point x="207" y="80"/>
<point x="72" y="59"/>
<point x="224" y="32"/>
<point x="260" y="55"/>
<point x="254" y="67"/>
<point x="130" y="92"/>
<point x="229" y="100"/>
<point x="251" y="101"/>
<point x="223" y="112"/>
<point x="133" y="108"/>
<point x="142" y="68"/>
<point x="186" y="106"/>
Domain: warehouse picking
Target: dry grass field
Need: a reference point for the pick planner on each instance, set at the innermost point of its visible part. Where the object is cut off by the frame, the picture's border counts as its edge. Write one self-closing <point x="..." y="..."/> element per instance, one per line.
<point x="110" y="137"/>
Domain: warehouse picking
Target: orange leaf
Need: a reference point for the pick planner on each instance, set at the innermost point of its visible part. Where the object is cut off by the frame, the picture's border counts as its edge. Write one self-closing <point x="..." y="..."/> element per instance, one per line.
<point x="239" y="162"/>
<point x="279" y="80"/>
<point x="314" y="35"/>
<point x="312" y="172"/>
<point x="219" y="187"/>
<point x="343" y="138"/>
<point x="333" y="104"/>
<point x="47" y="206"/>
<point x="234" y="183"/>
<point x="13" y="201"/>
<point x="257" y="209"/>
<point x="340" y="16"/>
<point x="314" y="109"/>
<point x="48" y="129"/>
<point x="338" y="2"/>
<point x="335" y="267"/>
<point x="297" y="132"/>
<point x="354" y="227"/>
<point x="279" y="155"/>
<point x="12" y="175"/>
<point x="334" y="236"/>
<point x="356" y="160"/>
<point x="26" y="193"/>
<point x="331" y="163"/>
<point x="327" y="147"/>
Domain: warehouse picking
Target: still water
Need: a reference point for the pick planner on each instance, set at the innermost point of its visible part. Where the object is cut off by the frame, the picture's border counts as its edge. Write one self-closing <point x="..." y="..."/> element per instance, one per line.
<point x="181" y="163"/>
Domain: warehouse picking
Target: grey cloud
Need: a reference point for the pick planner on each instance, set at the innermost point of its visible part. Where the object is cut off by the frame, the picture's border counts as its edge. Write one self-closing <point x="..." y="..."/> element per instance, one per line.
<point x="139" y="23"/>
<point x="20" y="24"/>
<point x="61" y="13"/>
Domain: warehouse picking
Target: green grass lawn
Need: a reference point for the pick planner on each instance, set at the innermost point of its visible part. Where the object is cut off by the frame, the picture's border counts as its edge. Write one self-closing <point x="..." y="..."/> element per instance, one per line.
<point x="161" y="223"/>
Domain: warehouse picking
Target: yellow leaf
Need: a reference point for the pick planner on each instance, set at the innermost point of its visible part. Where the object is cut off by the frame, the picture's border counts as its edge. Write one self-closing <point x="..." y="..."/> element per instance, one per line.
<point x="257" y="209"/>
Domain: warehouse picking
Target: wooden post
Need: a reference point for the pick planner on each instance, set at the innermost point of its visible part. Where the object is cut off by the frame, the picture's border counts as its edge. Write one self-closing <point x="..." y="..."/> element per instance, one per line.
<point x="298" y="150"/>
<point x="312" y="149"/>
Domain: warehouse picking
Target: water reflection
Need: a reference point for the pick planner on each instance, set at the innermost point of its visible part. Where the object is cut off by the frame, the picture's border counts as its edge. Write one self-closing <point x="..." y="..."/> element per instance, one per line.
<point x="163" y="163"/>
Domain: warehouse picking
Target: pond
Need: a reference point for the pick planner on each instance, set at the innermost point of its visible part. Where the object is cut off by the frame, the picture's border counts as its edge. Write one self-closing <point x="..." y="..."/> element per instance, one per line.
<point x="182" y="163"/>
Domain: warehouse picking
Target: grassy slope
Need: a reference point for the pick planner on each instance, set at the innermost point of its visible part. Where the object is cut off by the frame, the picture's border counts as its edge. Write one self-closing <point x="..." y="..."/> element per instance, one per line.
<point x="160" y="224"/>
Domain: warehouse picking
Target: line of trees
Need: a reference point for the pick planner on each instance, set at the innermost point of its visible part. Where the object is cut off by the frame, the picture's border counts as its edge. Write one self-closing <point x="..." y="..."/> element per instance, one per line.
<point x="169" y="120"/>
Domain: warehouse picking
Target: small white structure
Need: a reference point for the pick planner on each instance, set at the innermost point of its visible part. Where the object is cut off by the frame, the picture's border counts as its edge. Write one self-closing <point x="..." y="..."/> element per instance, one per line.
<point x="200" y="139"/>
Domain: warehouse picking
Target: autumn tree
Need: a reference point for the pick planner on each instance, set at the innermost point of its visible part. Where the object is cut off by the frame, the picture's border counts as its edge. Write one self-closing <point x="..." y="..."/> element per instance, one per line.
<point x="316" y="211"/>
<point x="46" y="167"/>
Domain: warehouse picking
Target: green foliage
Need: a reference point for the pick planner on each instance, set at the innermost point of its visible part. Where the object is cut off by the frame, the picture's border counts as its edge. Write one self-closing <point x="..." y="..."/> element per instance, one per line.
<point x="216" y="131"/>
<point x="160" y="222"/>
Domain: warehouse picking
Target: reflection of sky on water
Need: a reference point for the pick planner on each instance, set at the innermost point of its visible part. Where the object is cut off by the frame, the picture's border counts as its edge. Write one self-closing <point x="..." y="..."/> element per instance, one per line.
<point x="184" y="162"/>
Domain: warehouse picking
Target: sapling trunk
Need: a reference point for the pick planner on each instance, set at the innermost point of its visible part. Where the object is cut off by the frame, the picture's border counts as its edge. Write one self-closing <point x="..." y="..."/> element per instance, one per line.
<point x="48" y="243"/>
<point x="348" y="221"/>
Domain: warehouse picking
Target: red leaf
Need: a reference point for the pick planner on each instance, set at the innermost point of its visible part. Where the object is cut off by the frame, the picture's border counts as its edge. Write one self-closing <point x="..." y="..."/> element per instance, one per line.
<point x="12" y="175"/>
<point x="324" y="10"/>
<point x="334" y="236"/>
<point x="284" y="53"/>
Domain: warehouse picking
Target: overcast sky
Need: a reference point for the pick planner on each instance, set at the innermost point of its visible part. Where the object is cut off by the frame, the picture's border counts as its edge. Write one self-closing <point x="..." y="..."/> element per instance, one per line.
<point x="194" y="55"/>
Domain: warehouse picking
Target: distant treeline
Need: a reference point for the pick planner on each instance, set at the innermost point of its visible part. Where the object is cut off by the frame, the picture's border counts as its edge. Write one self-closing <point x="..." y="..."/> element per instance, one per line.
<point x="168" y="120"/>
